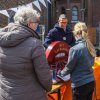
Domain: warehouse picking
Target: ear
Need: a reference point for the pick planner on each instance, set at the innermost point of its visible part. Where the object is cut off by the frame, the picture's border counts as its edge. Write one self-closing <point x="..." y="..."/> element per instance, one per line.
<point x="28" y="24"/>
<point x="58" y="20"/>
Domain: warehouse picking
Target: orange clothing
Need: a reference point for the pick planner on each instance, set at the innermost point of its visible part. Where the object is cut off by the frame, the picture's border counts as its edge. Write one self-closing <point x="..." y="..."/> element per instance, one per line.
<point x="66" y="92"/>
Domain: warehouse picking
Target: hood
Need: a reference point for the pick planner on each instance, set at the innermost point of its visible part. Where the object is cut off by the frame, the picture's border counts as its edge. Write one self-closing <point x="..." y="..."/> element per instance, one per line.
<point x="14" y="34"/>
<point x="80" y="40"/>
<point x="68" y="28"/>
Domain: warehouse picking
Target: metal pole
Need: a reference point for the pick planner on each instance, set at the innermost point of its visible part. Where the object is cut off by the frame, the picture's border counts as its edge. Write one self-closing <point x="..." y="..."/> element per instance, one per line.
<point x="82" y="10"/>
<point x="49" y="15"/>
<point x="43" y="32"/>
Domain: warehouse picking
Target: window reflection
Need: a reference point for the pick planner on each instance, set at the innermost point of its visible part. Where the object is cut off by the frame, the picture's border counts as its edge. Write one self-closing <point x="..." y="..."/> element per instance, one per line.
<point x="74" y="14"/>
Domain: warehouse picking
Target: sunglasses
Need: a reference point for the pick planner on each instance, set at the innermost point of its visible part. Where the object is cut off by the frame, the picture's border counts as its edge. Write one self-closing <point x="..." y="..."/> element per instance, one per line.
<point x="35" y="21"/>
<point x="63" y="22"/>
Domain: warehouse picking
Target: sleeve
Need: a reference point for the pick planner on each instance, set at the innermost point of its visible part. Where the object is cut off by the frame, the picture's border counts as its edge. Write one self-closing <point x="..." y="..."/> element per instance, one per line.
<point x="41" y="67"/>
<point x="48" y="39"/>
<point x="72" y="60"/>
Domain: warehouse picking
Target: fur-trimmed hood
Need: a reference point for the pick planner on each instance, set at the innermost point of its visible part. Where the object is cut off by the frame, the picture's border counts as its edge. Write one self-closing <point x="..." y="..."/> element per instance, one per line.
<point x="14" y="34"/>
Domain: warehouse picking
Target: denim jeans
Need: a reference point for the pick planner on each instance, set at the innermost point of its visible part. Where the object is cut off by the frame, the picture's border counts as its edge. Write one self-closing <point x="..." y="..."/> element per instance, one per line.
<point x="83" y="92"/>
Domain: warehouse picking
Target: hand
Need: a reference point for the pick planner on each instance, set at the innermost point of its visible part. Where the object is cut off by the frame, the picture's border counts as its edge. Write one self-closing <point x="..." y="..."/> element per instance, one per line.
<point x="64" y="72"/>
<point x="60" y="73"/>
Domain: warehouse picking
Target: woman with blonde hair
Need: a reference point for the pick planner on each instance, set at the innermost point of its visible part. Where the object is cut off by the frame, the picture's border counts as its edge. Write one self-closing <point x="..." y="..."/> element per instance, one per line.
<point x="79" y="65"/>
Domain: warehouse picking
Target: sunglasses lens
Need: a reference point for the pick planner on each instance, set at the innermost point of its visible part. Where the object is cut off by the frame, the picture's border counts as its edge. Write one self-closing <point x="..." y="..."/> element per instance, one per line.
<point x="63" y="22"/>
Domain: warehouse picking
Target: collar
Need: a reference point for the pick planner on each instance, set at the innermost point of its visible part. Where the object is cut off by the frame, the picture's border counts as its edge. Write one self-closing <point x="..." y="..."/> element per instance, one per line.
<point x="80" y="40"/>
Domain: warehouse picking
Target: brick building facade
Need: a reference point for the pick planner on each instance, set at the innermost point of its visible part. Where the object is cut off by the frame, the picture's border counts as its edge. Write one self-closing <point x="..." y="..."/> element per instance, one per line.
<point x="6" y="4"/>
<point x="76" y="10"/>
<point x="80" y="10"/>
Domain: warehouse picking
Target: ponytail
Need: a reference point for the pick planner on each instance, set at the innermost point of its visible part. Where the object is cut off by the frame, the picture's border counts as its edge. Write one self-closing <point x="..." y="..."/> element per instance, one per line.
<point x="81" y="29"/>
<point x="89" y="45"/>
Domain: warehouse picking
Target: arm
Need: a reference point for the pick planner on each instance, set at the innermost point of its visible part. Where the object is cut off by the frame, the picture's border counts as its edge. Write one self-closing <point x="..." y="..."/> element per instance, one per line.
<point x="72" y="60"/>
<point x="41" y="67"/>
<point x="48" y="39"/>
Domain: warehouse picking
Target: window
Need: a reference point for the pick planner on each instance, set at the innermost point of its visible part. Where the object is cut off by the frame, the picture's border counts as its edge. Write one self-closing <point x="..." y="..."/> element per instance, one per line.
<point x="74" y="14"/>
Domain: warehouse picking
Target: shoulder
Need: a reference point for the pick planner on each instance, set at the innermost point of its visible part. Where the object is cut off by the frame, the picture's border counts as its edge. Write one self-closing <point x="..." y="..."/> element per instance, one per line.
<point x="75" y="51"/>
<point x="53" y="30"/>
<point x="68" y="28"/>
<point x="33" y="42"/>
<point x="78" y="47"/>
<point x="78" y="50"/>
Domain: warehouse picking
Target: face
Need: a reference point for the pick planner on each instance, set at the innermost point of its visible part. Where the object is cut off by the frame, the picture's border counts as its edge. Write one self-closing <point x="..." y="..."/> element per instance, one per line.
<point x="33" y="25"/>
<point x="63" y="23"/>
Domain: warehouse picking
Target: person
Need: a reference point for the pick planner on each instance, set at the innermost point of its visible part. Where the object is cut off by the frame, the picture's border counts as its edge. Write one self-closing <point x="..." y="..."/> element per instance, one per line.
<point x="79" y="65"/>
<point x="60" y="32"/>
<point x="24" y="70"/>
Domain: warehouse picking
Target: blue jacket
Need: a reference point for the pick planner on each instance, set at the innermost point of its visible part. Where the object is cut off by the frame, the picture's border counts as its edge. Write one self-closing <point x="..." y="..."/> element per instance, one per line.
<point x="58" y="34"/>
<point x="79" y="65"/>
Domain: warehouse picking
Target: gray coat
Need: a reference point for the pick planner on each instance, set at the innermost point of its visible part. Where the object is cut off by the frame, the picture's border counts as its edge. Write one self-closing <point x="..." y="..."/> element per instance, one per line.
<point x="79" y="64"/>
<point x="24" y="71"/>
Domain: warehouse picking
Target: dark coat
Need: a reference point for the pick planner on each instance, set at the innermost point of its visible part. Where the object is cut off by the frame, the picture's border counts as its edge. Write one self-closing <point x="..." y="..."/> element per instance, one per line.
<point x="24" y="71"/>
<point x="58" y="34"/>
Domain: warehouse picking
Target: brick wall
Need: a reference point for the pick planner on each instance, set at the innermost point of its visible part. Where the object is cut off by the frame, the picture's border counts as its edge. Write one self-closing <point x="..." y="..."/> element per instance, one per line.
<point x="96" y="12"/>
<point x="6" y="4"/>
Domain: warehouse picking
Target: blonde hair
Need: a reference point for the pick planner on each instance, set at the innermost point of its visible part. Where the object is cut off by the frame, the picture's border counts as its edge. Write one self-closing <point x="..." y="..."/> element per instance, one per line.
<point x="25" y="14"/>
<point x="80" y="28"/>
